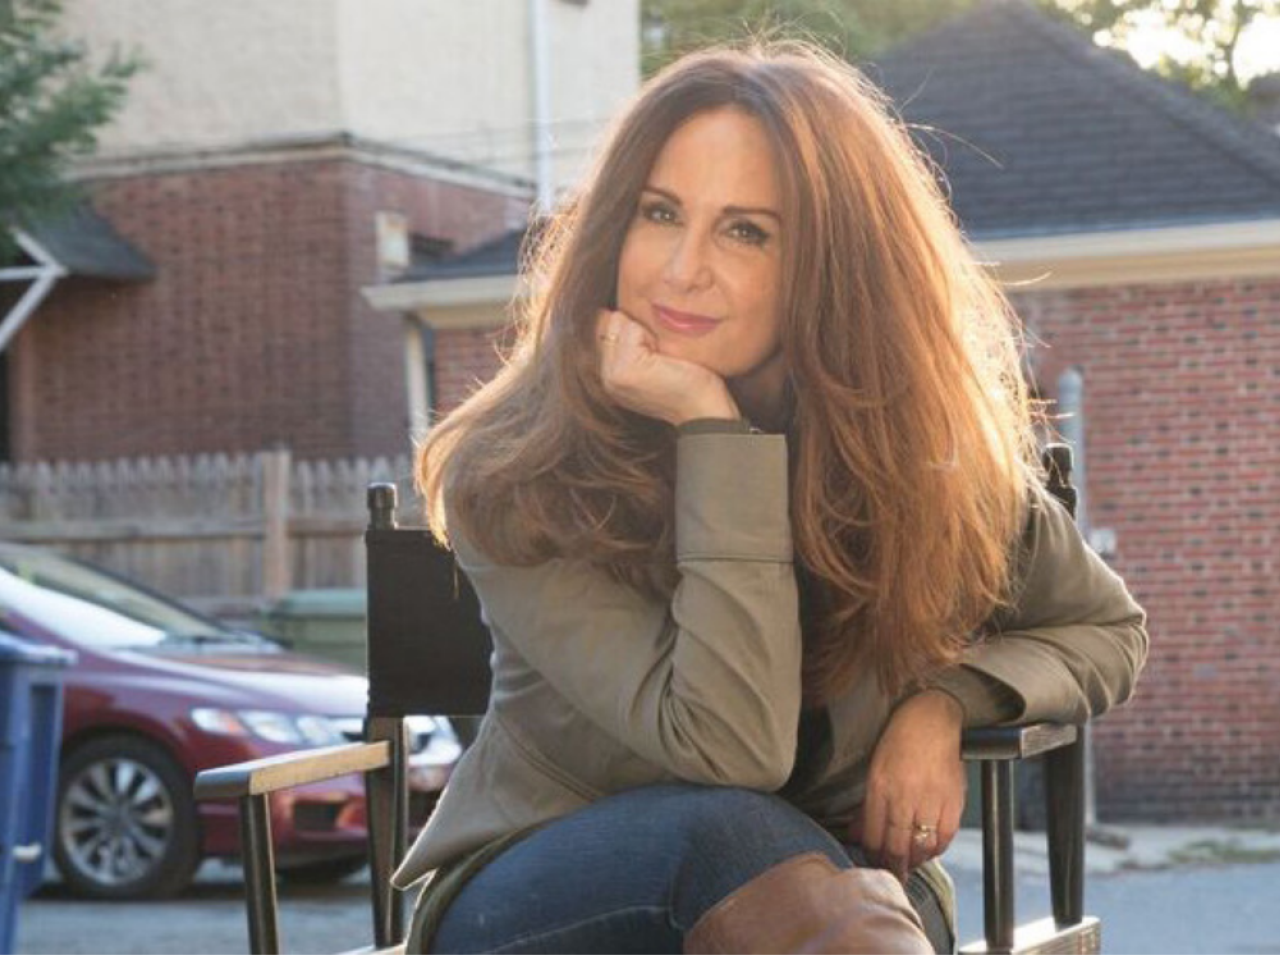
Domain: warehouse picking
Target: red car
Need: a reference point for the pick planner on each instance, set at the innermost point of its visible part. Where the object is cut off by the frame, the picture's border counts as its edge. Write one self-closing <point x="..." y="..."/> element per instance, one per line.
<point x="159" y="693"/>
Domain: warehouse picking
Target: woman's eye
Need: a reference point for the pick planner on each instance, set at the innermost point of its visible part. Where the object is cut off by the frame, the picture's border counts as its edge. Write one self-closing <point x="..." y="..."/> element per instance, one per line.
<point x="744" y="231"/>
<point x="748" y="232"/>
<point x="657" y="212"/>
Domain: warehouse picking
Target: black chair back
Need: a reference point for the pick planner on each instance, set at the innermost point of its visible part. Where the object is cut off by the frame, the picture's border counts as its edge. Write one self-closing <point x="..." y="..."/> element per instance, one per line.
<point x="432" y="651"/>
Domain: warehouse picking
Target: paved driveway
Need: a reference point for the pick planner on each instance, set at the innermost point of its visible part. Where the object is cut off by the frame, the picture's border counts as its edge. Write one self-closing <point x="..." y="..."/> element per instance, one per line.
<point x="1222" y="908"/>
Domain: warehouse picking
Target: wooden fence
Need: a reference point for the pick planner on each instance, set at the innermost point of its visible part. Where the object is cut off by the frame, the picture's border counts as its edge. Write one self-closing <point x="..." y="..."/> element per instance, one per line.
<point x="226" y="533"/>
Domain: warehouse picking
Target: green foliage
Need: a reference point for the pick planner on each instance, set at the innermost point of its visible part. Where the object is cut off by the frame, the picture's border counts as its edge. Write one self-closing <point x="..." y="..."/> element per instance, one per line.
<point x="851" y="28"/>
<point x="51" y="103"/>
<point x="1213" y="29"/>
<point x="860" y="28"/>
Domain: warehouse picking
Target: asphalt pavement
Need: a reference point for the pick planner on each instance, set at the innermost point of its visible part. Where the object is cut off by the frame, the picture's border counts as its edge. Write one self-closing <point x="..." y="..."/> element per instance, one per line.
<point x="1157" y="890"/>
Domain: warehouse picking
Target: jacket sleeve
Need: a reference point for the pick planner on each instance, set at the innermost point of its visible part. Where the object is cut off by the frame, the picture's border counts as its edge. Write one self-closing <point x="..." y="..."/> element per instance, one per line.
<point x="708" y="686"/>
<point x="1072" y="645"/>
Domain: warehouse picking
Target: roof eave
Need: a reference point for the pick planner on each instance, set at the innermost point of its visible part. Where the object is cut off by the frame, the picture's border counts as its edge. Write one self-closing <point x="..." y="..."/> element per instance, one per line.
<point x="1217" y="251"/>
<point x="438" y="296"/>
<point x="1153" y="255"/>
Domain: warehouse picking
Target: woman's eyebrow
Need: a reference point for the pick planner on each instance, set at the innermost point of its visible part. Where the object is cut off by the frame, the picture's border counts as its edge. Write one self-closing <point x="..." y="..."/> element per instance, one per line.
<point x="731" y="210"/>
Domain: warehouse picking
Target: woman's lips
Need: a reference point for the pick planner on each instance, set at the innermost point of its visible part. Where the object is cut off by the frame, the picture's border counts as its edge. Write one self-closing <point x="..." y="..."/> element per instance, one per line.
<point x="687" y="323"/>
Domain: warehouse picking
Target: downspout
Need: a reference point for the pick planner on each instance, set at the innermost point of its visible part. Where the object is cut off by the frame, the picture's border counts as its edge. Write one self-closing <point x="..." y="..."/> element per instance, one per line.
<point x="540" y="60"/>
<point x="43" y="275"/>
<point x="1071" y="405"/>
<point x="419" y="358"/>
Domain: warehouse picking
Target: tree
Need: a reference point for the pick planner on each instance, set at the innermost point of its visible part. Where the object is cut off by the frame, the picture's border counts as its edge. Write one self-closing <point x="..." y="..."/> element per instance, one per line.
<point x="51" y="104"/>
<point x="861" y="28"/>
<point x="1211" y="28"/>
<point x="851" y="28"/>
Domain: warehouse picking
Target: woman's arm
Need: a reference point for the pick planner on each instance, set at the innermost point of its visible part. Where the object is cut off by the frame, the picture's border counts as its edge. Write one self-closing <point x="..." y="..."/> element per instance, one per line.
<point x="709" y="686"/>
<point x="1073" y="644"/>
<point x="1070" y="648"/>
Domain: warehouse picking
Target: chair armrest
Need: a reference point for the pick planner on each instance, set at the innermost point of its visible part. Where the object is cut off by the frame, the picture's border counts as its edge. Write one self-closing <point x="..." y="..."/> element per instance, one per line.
<point x="249" y="784"/>
<point x="996" y="748"/>
<point x="257" y="777"/>
<point x="1015" y="743"/>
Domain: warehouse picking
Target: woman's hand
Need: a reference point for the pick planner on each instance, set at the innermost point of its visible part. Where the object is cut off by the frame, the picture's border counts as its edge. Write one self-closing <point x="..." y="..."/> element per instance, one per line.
<point x="916" y="780"/>
<point x="638" y="377"/>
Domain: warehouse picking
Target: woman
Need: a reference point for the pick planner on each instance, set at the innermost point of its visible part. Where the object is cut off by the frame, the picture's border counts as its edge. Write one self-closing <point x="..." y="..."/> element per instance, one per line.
<point x="754" y="514"/>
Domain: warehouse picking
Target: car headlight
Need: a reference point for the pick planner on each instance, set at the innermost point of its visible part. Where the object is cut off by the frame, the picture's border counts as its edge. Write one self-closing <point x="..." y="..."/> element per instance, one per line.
<point x="319" y="731"/>
<point x="269" y="725"/>
<point x="218" y="721"/>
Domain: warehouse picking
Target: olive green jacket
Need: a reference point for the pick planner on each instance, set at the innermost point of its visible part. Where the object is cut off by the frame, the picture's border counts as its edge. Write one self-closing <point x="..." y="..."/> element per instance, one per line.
<point x="597" y="689"/>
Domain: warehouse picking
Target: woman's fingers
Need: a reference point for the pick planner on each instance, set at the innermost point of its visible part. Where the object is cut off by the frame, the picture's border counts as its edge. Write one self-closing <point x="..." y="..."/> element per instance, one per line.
<point x="854" y="832"/>
<point x="886" y="832"/>
<point x="636" y="375"/>
<point x="917" y="778"/>
<point x="925" y="843"/>
<point x="949" y="823"/>
<point x="625" y="349"/>
<point x="873" y="822"/>
<point x="889" y="832"/>
<point x="895" y="856"/>
<point x="615" y="333"/>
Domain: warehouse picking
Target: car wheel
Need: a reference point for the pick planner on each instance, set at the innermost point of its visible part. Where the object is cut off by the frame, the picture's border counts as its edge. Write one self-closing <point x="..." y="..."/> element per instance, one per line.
<point x="126" y="821"/>
<point x="323" y="871"/>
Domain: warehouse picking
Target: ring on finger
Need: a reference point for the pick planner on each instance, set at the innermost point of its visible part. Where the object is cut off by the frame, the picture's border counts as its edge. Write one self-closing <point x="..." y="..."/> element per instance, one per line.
<point x="923" y="833"/>
<point x="609" y="337"/>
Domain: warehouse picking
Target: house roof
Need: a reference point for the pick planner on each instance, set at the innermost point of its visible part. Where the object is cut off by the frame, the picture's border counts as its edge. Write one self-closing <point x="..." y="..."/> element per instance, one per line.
<point x="1039" y="131"/>
<point x="493" y="258"/>
<point x="87" y="245"/>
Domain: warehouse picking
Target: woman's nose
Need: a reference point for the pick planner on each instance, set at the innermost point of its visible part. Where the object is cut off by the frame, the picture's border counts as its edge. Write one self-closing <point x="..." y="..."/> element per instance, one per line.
<point x="688" y="265"/>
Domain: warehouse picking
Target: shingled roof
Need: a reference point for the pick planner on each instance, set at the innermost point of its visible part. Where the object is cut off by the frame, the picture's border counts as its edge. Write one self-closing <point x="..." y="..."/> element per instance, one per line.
<point x="87" y="245"/>
<point x="492" y="258"/>
<point x="1039" y="131"/>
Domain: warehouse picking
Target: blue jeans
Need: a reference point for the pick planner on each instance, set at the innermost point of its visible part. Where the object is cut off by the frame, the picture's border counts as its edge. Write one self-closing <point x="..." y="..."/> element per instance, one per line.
<point x="633" y="872"/>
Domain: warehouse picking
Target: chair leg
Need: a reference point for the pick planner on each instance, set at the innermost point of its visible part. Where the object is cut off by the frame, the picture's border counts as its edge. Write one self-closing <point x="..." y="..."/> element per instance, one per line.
<point x="387" y="803"/>
<point x="997" y="855"/>
<point x="259" y="874"/>
<point x="1064" y="812"/>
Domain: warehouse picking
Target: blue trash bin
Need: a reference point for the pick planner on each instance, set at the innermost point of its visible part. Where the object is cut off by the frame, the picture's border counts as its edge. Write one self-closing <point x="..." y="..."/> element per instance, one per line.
<point x="30" y="730"/>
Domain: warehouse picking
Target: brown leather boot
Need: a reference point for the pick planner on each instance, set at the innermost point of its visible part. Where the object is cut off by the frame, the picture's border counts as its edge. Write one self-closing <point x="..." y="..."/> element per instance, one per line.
<point x="809" y="905"/>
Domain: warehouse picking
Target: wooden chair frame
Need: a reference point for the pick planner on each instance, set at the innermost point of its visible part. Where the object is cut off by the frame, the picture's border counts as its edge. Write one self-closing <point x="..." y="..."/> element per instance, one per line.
<point x="458" y="686"/>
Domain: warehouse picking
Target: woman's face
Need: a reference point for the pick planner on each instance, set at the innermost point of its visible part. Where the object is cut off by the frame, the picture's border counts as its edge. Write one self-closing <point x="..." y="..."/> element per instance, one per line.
<point x="701" y="260"/>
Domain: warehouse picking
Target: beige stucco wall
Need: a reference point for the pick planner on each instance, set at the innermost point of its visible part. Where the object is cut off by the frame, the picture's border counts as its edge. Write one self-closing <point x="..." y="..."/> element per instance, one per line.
<point x="223" y="73"/>
<point x="445" y="77"/>
<point x="455" y="78"/>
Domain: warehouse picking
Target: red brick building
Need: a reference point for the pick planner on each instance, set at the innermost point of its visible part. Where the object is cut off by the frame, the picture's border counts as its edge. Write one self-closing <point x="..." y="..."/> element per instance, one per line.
<point x="270" y="162"/>
<point x="252" y="332"/>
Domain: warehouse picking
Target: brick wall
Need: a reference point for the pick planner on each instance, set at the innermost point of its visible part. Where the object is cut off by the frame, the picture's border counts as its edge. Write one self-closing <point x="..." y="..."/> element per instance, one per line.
<point x="464" y="359"/>
<point x="254" y="331"/>
<point x="1182" y="411"/>
<point x="468" y="218"/>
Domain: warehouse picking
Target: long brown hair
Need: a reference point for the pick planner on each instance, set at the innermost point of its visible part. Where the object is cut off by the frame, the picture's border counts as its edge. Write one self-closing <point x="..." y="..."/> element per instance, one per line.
<point x="911" y="432"/>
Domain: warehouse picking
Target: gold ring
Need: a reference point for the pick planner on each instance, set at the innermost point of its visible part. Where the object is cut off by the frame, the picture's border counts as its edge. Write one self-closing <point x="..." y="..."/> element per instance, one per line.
<point x="923" y="833"/>
<point x="609" y="337"/>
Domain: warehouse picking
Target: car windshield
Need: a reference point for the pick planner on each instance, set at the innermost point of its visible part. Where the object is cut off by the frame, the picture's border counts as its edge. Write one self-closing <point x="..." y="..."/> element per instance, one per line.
<point x="88" y="606"/>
